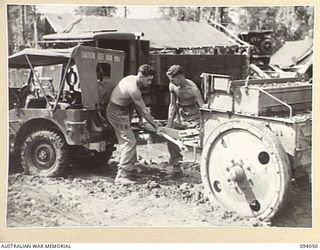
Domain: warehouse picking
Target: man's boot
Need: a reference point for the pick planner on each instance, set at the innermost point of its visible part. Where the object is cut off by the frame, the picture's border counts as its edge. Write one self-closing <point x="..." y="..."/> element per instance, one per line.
<point x="175" y="172"/>
<point x="123" y="177"/>
<point x="141" y="168"/>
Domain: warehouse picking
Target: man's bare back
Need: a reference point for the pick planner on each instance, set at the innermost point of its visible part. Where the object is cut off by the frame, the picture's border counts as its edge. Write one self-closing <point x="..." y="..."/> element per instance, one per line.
<point x="121" y="93"/>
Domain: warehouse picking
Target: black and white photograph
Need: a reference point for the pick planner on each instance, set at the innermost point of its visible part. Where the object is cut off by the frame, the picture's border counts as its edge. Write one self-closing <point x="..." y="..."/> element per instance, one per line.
<point x="159" y="116"/>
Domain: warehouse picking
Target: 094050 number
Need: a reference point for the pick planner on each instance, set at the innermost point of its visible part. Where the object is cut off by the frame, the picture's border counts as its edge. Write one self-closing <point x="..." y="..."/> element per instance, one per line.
<point x="312" y="246"/>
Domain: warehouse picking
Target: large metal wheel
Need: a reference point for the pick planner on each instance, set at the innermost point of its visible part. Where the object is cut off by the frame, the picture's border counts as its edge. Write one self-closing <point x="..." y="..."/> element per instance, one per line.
<point x="245" y="169"/>
<point x="45" y="153"/>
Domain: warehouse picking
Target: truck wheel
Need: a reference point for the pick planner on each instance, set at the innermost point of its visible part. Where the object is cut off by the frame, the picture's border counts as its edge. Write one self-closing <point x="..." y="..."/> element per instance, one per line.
<point x="245" y="169"/>
<point x="45" y="153"/>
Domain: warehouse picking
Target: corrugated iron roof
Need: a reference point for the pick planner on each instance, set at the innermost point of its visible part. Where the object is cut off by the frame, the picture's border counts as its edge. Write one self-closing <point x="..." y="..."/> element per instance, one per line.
<point x="88" y="36"/>
<point x="292" y="53"/>
<point x="161" y="33"/>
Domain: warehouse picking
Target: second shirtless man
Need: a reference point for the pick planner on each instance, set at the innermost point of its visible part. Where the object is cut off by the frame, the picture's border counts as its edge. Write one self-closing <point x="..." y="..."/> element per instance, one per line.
<point x="185" y="101"/>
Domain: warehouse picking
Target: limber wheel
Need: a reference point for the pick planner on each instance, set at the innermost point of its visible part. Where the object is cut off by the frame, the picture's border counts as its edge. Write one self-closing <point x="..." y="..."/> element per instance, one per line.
<point x="245" y="169"/>
<point x="45" y="153"/>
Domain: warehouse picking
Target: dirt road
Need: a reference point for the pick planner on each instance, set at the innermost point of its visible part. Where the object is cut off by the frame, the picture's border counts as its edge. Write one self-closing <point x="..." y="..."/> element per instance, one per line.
<point x="88" y="198"/>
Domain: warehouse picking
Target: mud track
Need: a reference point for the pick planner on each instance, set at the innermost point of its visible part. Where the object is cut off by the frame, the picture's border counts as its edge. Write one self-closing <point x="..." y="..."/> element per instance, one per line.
<point x="87" y="197"/>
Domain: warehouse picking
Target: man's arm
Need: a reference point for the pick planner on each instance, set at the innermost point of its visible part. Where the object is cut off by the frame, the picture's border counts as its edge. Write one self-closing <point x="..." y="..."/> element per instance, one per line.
<point x="172" y="106"/>
<point x="197" y="94"/>
<point x="141" y="107"/>
<point x="139" y="116"/>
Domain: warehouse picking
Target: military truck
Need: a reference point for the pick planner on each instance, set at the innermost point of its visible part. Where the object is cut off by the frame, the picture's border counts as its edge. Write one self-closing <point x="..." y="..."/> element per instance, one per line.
<point x="218" y="59"/>
<point x="56" y="117"/>
<point x="262" y="46"/>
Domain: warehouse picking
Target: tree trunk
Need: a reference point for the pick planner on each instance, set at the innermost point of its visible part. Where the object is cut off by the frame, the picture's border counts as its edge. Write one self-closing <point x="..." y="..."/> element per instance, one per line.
<point x="198" y="14"/>
<point x="35" y="27"/>
<point x="217" y="15"/>
<point x="22" y="25"/>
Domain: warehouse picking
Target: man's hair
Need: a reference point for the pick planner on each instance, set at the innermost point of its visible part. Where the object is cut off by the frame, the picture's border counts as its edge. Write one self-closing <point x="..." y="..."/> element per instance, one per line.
<point x="146" y="70"/>
<point x="175" y="70"/>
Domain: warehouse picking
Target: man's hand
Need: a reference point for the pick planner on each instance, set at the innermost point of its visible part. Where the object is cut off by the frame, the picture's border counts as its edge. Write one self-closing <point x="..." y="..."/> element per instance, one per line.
<point x="147" y="127"/>
<point x="140" y="123"/>
<point x="159" y="130"/>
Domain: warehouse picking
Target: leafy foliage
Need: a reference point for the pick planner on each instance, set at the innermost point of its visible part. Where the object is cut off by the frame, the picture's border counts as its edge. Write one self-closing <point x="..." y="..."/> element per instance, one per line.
<point x="180" y="13"/>
<point x="287" y="23"/>
<point x="96" y="10"/>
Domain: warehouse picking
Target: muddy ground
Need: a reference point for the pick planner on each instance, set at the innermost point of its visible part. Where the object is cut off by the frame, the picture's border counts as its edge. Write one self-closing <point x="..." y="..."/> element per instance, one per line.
<point x="88" y="198"/>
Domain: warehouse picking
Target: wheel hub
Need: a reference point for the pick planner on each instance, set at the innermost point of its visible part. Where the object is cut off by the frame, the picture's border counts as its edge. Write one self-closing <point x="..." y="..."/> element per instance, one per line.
<point x="44" y="155"/>
<point x="236" y="173"/>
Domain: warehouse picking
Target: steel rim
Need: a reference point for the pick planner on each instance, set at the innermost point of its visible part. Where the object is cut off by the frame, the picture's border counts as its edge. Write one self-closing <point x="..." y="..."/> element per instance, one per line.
<point x="237" y="158"/>
<point x="43" y="155"/>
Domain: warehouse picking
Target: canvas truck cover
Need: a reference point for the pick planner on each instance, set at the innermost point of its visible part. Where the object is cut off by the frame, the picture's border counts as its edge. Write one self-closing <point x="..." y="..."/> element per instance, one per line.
<point x="90" y="62"/>
<point x="99" y="71"/>
<point x="39" y="57"/>
<point x="292" y="53"/>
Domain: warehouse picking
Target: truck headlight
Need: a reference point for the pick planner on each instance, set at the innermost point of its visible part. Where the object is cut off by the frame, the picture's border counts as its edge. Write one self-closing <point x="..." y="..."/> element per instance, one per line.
<point x="69" y="132"/>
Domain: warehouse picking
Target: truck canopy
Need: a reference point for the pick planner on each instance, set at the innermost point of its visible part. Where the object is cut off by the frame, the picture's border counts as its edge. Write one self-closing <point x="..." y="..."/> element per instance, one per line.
<point x="39" y="57"/>
<point x="98" y="70"/>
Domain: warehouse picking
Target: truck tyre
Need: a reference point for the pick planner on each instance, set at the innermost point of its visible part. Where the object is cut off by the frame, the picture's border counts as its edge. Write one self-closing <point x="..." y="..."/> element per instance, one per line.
<point x="45" y="153"/>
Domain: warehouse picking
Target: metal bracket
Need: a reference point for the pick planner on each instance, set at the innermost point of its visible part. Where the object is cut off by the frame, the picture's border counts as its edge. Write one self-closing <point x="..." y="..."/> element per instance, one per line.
<point x="76" y="123"/>
<point x="195" y="158"/>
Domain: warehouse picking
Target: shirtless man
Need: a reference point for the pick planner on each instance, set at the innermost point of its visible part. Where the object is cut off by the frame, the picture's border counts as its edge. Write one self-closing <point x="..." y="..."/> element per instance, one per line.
<point x="124" y="97"/>
<point x="185" y="100"/>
